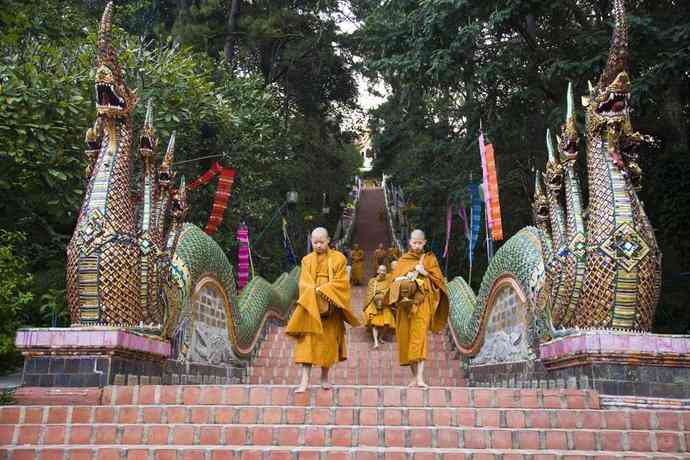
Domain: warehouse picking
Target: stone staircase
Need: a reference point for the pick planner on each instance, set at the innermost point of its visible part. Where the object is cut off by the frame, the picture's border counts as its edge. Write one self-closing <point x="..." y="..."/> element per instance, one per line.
<point x="364" y="366"/>
<point x="350" y="422"/>
<point x="369" y="415"/>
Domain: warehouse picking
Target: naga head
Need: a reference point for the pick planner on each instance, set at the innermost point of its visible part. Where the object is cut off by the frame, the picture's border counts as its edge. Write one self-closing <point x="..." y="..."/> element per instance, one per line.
<point x="178" y="206"/>
<point x="609" y="101"/>
<point x="166" y="175"/>
<point x="148" y="141"/>
<point x="540" y="205"/>
<point x="554" y="169"/>
<point x="569" y="140"/>
<point x="113" y="98"/>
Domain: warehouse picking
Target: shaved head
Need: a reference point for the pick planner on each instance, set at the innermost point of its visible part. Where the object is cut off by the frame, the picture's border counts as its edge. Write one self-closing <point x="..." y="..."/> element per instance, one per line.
<point x="320" y="240"/>
<point x="319" y="232"/>
<point x="417" y="241"/>
<point x="417" y="234"/>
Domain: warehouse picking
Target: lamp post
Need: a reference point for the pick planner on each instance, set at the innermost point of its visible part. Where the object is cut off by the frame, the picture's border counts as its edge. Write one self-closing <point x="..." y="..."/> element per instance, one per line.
<point x="325" y="210"/>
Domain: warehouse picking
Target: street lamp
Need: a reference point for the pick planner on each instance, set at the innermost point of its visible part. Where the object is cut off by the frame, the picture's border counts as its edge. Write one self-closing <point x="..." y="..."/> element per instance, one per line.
<point x="324" y="208"/>
<point x="291" y="197"/>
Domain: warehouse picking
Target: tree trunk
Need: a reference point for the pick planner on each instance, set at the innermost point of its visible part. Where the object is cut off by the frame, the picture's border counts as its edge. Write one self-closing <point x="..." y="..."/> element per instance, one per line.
<point x="231" y="37"/>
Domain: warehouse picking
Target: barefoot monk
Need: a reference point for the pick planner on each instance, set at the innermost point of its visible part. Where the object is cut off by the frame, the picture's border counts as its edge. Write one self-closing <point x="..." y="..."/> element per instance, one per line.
<point x="323" y="308"/>
<point x="357" y="256"/>
<point x="377" y="315"/>
<point x="420" y="295"/>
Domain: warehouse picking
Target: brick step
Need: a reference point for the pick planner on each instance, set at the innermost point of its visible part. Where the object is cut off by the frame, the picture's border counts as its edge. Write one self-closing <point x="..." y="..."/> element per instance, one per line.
<point x="342" y="395"/>
<point x="242" y="452"/>
<point x="352" y="415"/>
<point x="375" y="379"/>
<point x="377" y="360"/>
<point x="345" y="436"/>
<point x="341" y="372"/>
<point x="388" y="349"/>
<point x="363" y="345"/>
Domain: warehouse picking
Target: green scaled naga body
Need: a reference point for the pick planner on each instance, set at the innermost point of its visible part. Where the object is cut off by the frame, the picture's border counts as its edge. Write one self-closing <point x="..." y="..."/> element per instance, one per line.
<point x="134" y="262"/>
<point x="599" y="268"/>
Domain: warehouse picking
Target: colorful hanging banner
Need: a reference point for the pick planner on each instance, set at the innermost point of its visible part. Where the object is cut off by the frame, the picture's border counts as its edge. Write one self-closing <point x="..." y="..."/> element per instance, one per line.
<point x="449" y="223"/>
<point x="222" y="195"/>
<point x="492" y="203"/>
<point x="476" y="219"/>
<point x="463" y="216"/>
<point x="242" y="256"/>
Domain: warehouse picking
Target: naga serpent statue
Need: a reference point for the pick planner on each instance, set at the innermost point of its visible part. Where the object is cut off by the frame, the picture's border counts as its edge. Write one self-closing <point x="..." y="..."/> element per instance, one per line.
<point x="134" y="262"/>
<point x="575" y="269"/>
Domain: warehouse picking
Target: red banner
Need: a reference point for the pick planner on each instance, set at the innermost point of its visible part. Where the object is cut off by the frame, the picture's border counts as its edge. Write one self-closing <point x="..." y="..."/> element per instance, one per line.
<point x="492" y="181"/>
<point x="222" y="195"/>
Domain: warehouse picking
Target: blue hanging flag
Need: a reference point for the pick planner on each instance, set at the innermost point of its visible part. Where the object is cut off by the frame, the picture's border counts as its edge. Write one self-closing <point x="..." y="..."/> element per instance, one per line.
<point x="476" y="218"/>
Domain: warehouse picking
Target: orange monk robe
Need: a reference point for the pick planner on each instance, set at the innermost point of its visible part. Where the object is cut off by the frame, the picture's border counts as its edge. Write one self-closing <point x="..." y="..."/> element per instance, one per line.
<point x="432" y="312"/>
<point x="380" y="258"/>
<point x="373" y="316"/>
<point x="357" y="266"/>
<point x="321" y="340"/>
<point x="393" y="254"/>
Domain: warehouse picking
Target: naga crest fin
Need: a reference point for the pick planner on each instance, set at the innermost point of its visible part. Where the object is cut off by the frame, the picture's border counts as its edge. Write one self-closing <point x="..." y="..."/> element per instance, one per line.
<point x="618" y="53"/>
<point x="550" y="147"/>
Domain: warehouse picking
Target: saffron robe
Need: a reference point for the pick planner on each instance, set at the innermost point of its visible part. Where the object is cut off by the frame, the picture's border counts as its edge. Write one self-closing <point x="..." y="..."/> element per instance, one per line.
<point x="393" y="254"/>
<point x="321" y="340"/>
<point x="373" y="316"/>
<point x="431" y="312"/>
<point x="379" y="258"/>
<point x="357" y="266"/>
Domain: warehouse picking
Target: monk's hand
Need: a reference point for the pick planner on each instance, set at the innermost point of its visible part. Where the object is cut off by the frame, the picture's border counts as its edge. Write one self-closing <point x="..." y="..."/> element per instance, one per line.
<point x="420" y="269"/>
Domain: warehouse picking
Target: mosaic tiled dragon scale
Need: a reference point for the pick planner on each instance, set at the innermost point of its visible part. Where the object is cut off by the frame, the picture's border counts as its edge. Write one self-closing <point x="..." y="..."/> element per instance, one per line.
<point x="134" y="262"/>
<point x="599" y="268"/>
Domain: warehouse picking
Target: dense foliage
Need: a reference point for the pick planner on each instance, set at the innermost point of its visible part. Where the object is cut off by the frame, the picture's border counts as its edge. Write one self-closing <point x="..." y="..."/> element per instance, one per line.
<point x="450" y="65"/>
<point x="280" y="133"/>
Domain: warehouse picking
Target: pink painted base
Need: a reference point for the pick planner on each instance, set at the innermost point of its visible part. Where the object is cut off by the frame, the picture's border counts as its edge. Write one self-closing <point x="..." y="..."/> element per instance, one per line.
<point x="594" y="342"/>
<point x="89" y="338"/>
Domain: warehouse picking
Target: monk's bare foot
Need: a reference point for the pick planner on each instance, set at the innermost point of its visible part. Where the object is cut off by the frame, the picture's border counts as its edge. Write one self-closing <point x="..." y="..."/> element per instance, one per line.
<point x="301" y="389"/>
<point x="375" y="346"/>
<point x="422" y="384"/>
<point x="412" y="384"/>
<point x="326" y="385"/>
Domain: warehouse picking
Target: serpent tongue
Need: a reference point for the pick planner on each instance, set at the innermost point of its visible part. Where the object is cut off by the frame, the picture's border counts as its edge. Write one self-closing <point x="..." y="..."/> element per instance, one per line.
<point x="618" y="106"/>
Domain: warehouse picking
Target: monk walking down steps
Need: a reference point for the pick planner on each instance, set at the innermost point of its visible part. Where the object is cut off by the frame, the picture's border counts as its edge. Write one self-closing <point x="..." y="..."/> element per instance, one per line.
<point x="380" y="256"/>
<point x="377" y="315"/>
<point x="322" y="309"/>
<point x="420" y="296"/>
<point x="357" y="256"/>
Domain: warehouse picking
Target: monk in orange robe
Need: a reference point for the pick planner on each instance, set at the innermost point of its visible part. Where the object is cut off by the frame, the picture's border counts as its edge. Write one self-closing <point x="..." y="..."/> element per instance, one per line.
<point x="377" y="315"/>
<point x="428" y="308"/>
<point x="393" y="254"/>
<point x="380" y="256"/>
<point x="323" y="308"/>
<point x="357" y="256"/>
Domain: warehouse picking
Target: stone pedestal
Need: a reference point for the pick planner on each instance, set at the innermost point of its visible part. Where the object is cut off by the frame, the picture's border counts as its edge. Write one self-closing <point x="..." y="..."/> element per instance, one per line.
<point x="613" y="363"/>
<point x="90" y="356"/>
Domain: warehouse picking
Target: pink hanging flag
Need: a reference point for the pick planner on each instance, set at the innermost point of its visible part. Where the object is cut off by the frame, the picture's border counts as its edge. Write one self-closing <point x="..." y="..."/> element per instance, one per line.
<point x="243" y="257"/>
<point x="449" y="223"/>
<point x="485" y="180"/>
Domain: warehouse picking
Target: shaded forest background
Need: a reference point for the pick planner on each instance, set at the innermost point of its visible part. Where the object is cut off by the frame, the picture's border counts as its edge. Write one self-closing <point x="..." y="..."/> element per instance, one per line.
<point x="450" y="65"/>
<point x="268" y="87"/>
<point x="262" y="86"/>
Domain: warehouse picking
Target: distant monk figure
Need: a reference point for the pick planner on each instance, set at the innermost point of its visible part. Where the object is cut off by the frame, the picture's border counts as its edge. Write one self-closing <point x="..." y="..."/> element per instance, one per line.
<point x="420" y="295"/>
<point x="380" y="255"/>
<point x="357" y="256"/>
<point x="323" y="307"/>
<point x="378" y="315"/>
<point x="393" y="254"/>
